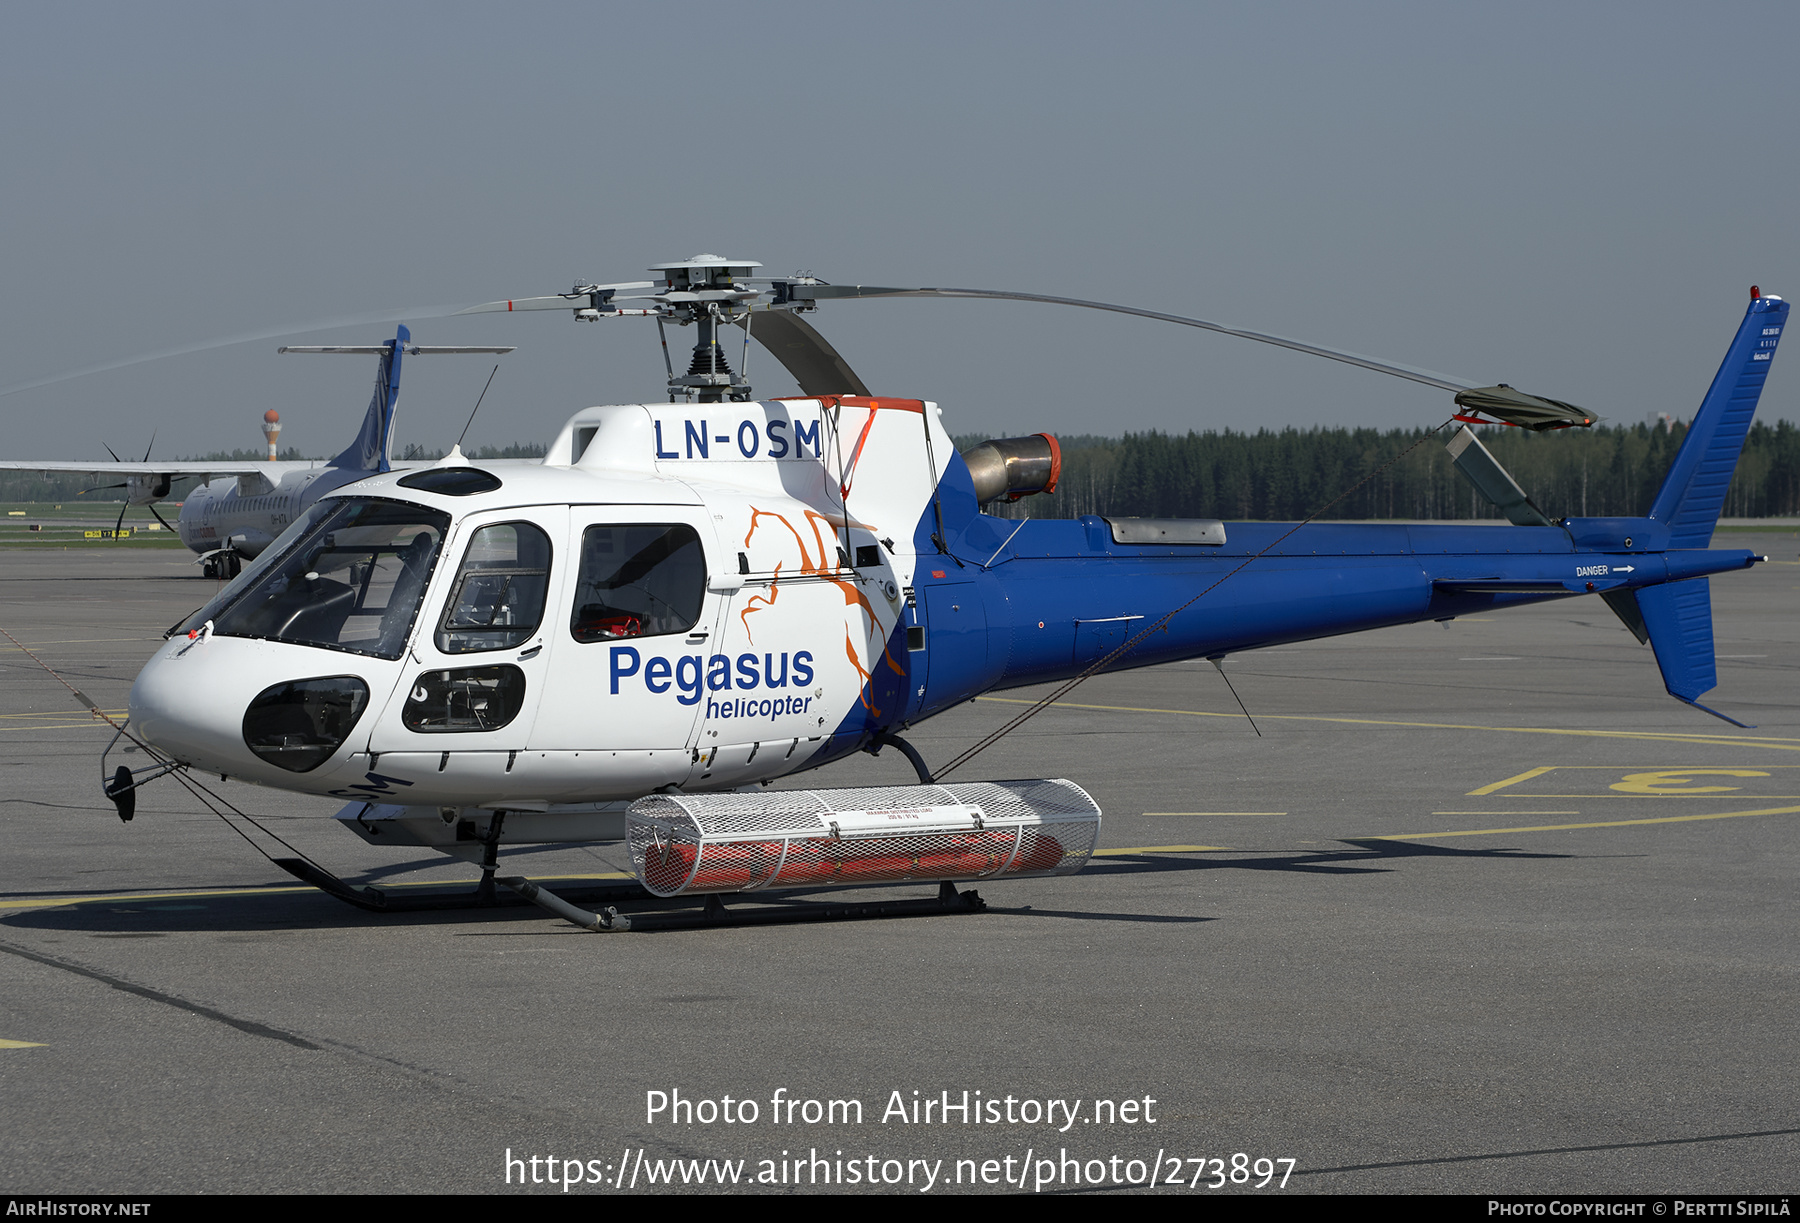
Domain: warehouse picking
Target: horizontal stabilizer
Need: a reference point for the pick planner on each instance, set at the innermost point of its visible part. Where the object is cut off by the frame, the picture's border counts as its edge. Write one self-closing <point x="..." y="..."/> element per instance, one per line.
<point x="1678" y="618"/>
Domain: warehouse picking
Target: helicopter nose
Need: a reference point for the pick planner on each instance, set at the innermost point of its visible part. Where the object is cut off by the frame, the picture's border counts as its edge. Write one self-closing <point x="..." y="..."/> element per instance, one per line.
<point x="254" y="709"/>
<point x="188" y="702"/>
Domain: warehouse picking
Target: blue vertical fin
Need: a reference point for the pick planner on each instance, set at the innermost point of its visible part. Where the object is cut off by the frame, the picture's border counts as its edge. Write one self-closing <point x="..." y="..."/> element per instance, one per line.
<point x="1678" y="616"/>
<point x="373" y="448"/>
<point x="1694" y="492"/>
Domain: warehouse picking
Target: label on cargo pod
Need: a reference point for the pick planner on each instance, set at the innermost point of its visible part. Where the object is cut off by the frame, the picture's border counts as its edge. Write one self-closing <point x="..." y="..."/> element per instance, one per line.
<point x="902" y="821"/>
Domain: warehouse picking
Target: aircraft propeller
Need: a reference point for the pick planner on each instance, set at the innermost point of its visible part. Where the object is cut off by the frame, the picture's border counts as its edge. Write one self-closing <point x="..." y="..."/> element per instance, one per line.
<point x="161" y="489"/>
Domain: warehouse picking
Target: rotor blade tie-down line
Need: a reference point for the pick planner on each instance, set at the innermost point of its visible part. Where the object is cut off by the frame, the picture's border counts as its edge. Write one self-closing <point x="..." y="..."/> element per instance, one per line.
<point x="180" y="775"/>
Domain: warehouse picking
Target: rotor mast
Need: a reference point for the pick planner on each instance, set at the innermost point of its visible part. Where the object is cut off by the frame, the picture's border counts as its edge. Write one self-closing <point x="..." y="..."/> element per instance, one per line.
<point x="705" y="291"/>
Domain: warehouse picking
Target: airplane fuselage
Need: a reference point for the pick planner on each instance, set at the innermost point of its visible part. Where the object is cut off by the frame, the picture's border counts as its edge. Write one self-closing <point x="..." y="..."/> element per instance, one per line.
<point x="246" y="513"/>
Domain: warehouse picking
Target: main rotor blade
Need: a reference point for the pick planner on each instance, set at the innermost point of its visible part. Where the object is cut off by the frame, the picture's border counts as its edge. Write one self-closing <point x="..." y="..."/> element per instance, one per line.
<point x="813" y="362"/>
<point x="1447" y="382"/>
<point x="272" y="333"/>
<point x="559" y="301"/>
<point x="411" y="350"/>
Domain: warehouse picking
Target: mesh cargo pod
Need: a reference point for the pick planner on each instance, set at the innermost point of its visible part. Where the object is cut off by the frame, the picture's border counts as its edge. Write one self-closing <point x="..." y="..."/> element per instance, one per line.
<point x="689" y="843"/>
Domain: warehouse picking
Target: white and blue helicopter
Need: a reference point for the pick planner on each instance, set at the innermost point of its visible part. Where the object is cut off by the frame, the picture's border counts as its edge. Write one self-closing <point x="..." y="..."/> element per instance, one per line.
<point x="686" y="600"/>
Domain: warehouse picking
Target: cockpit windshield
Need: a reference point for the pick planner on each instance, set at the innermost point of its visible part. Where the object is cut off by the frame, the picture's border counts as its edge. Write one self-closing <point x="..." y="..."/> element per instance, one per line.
<point x="354" y="580"/>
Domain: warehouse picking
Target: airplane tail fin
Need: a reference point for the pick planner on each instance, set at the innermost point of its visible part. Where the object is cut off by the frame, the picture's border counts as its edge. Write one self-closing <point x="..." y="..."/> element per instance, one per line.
<point x="372" y="449"/>
<point x="1694" y="492"/>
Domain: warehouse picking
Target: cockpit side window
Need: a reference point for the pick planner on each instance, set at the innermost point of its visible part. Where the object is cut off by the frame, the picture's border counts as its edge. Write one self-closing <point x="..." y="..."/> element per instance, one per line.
<point x="354" y="582"/>
<point x="638" y="581"/>
<point x="497" y="600"/>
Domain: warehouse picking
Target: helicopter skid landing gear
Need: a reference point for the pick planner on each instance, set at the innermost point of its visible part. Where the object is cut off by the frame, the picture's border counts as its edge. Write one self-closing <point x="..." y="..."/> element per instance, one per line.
<point x="714" y="913"/>
<point x="609" y="919"/>
<point x="374" y="900"/>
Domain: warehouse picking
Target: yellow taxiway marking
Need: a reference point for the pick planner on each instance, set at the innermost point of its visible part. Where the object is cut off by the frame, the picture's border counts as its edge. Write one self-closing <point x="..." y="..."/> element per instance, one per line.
<point x="1506" y="813"/>
<point x="1215" y="813"/>
<point x="21" y="1044"/>
<point x="225" y="893"/>
<point x="1777" y="744"/>
<point x="1705" y="792"/>
<point x="1527" y="775"/>
<point x="1487" y="832"/>
<point x="1160" y="849"/>
<point x="63" y="720"/>
<point x="1659" y="783"/>
<point x="38" y="645"/>
<point x="1680" y="781"/>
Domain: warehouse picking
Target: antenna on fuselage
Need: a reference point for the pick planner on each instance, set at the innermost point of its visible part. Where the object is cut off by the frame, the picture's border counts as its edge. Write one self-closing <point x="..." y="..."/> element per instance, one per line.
<point x="476" y="408"/>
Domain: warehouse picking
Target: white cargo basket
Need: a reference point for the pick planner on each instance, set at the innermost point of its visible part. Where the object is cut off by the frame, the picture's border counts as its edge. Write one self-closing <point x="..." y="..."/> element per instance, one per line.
<point x="689" y="843"/>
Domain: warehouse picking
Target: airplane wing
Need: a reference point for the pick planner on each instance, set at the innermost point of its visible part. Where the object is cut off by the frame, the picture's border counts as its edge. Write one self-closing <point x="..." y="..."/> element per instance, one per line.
<point x="202" y="469"/>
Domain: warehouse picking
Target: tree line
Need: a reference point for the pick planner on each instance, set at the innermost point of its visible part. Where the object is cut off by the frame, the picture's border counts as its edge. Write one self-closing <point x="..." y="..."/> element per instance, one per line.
<point x="1291" y="474"/>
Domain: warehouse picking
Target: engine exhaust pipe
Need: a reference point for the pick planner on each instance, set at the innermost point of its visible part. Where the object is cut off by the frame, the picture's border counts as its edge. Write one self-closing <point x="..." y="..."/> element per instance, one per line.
<point x="1014" y="467"/>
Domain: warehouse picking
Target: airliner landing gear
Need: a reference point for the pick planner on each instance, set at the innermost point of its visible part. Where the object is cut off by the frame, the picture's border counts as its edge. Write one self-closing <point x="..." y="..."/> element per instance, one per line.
<point x="223" y="565"/>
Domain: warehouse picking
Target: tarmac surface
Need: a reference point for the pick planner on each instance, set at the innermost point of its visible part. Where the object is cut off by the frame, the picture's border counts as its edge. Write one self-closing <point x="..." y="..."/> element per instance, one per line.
<point x="1481" y="910"/>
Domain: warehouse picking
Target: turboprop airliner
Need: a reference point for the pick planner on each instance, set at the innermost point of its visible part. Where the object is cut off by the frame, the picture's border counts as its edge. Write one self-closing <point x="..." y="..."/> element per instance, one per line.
<point x="240" y="506"/>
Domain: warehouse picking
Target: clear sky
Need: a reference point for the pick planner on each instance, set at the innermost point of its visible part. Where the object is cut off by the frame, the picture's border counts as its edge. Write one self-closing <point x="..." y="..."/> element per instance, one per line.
<point x="1573" y="198"/>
